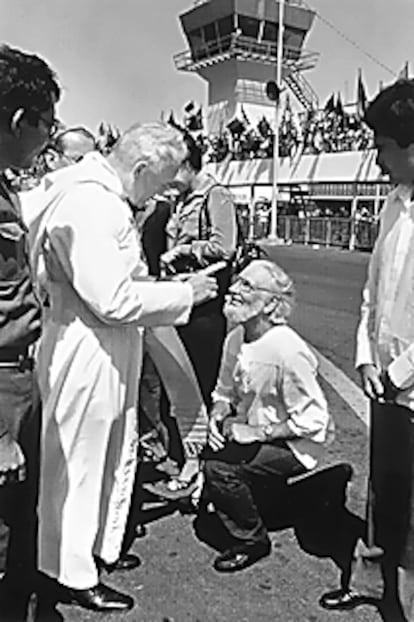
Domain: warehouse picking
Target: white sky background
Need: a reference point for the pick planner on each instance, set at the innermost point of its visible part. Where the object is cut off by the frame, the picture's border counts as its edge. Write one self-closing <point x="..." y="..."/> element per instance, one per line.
<point x="114" y="57"/>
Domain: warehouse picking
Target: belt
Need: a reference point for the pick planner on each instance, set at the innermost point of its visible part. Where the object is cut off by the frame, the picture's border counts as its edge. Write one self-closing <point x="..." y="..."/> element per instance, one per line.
<point x="16" y="357"/>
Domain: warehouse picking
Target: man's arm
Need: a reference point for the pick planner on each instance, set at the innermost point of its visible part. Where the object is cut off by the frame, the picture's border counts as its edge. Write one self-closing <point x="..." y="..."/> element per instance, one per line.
<point x="224" y="394"/>
<point x="304" y="402"/>
<point x="222" y="240"/>
<point x="87" y="245"/>
<point x="364" y="359"/>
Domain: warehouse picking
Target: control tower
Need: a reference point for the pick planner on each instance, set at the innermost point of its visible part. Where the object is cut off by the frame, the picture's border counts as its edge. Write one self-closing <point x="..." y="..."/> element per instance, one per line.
<point x="232" y="44"/>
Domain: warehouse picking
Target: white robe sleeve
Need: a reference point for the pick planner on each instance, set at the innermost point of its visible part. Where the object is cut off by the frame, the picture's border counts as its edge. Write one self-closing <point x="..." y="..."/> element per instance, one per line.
<point x="90" y="238"/>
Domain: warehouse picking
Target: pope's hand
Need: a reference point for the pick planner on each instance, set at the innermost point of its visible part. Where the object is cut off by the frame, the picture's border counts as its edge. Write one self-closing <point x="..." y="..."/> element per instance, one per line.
<point x="12" y="461"/>
<point x="204" y="288"/>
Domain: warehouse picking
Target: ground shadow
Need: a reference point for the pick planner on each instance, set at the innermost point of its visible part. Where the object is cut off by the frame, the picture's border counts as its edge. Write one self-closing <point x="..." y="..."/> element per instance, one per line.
<point x="315" y="507"/>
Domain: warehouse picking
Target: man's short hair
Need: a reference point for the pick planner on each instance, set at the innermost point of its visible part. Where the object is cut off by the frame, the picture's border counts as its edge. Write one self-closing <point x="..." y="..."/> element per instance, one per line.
<point x="157" y="143"/>
<point x="279" y="283"/>
<point x="391" y="113"/>
<point x="26" y="81"/>
<point x="82" y="132"/>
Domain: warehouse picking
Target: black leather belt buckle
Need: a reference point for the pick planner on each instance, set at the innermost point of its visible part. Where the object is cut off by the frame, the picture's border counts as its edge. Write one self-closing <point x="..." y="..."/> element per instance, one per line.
<point x="26" y="363"/>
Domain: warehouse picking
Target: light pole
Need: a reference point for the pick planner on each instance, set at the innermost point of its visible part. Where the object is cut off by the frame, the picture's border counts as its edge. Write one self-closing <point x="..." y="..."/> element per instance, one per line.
<point x="279" y="61"/>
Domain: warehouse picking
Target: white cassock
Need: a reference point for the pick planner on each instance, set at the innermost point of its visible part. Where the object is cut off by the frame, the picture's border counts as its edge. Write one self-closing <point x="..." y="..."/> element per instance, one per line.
<point x="89" y="364"/>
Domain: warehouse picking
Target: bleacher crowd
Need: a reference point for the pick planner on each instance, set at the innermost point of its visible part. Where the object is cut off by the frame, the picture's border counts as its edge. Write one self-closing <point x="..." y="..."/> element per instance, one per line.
<point x="328" y="130"/>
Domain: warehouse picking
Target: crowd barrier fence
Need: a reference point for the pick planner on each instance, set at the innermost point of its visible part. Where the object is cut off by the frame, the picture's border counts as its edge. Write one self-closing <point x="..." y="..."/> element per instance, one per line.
<point x="345" y="233"/>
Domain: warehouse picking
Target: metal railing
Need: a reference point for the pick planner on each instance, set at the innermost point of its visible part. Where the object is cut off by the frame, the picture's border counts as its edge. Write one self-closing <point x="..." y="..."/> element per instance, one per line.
<point x="300" y="3"/>
<point x="346" y="233"/>
<point x="247" y="48"/>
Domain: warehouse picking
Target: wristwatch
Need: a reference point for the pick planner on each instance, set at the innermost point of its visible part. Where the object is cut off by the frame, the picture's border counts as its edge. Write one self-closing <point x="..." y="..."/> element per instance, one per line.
<point x="268" y="432"/>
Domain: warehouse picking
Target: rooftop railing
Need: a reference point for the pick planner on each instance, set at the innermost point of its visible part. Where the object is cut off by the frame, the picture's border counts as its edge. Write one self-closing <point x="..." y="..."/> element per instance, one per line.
<point x="244" y="48"/>
<point x="300" y="3"/>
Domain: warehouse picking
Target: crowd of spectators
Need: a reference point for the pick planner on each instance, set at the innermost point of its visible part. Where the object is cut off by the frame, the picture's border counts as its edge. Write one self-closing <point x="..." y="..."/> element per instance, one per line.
<point x="329" y="130"/>
<point x="323" y="131"/>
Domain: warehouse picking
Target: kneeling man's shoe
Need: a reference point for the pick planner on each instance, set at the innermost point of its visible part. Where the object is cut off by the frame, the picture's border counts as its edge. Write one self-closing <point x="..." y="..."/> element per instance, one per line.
<point x="340" y="600"/>
<point x="241" y="557"/>
<point x="125" y="562"/>
<point x="101" y="598"/>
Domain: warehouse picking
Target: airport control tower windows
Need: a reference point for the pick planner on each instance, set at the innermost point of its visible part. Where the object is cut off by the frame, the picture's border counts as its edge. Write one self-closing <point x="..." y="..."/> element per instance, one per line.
<point x="225" y="26"/>
<point x="270" y="32"/>
<point x="249" y="26"/>
<point x="294" y="38"/>
<point x="210" y="33"/>
<point x="197" y="43"/>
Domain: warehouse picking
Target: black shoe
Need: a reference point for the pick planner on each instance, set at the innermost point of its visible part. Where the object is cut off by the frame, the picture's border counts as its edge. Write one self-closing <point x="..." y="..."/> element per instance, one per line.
<point x="101" y="598"/>
<point x="241" y="557"/>
<point x="341" y="600"/>
<point x="125" y="562"/>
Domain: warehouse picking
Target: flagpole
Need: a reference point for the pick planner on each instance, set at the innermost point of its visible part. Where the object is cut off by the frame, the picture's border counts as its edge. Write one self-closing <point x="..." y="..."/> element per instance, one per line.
<point x="273" y="226"/>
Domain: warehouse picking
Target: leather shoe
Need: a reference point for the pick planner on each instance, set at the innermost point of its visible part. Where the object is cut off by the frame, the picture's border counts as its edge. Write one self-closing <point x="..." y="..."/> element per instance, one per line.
<point x="125" y="562"/>
<point x="340" y="600"/>
<point x="240" y="557"/>
<point x="101" y="598"/>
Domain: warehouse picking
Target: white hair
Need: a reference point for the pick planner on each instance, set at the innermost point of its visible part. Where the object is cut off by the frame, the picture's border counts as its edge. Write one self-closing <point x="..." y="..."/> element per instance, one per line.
<point x="279" y="283"/>
<point x="157" y="143"/>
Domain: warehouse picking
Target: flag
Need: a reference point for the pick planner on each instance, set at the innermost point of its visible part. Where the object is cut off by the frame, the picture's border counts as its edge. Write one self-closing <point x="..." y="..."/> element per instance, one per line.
<point x="245" y="117"/>
<point x="189" y="107"/>
<point x="236" y="127"/>
<point x="171" y="120"/>
<point x="403" y="75"/>
<point x="195" y="122"/>
<point x="361" y="97"/>
<point x="288" y="108"/>
<point x="330" y="104"/>
<point x="339" y="109"/>
<point x="264" y="127"/>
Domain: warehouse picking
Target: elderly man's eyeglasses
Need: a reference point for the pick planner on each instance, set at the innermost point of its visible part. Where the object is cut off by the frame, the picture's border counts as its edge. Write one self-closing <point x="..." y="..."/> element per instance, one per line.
<point x="246" y="286"/>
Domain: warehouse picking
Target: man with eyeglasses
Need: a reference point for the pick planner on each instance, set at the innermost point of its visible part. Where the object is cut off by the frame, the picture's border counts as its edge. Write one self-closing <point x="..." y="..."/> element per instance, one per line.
<point x="28" y="93"/>
<point x="269" y="419"/>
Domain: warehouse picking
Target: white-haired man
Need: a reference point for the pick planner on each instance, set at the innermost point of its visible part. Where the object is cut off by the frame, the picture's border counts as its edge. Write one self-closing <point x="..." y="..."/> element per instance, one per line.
<point x="90" y="353"/>
<point x="269" y="419"/>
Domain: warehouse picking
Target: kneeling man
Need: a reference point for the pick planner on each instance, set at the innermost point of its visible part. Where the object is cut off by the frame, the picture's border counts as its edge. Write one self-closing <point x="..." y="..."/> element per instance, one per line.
<point x="269" y="419"/>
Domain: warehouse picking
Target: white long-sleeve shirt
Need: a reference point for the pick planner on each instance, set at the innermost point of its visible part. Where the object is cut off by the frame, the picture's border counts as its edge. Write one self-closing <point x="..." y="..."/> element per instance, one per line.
<point x="385" y="335"/>
<point x="274" y="380"/>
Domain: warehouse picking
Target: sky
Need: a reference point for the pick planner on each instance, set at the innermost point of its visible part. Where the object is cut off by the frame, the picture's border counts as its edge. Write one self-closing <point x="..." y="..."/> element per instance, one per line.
<point x="114" y="57"/>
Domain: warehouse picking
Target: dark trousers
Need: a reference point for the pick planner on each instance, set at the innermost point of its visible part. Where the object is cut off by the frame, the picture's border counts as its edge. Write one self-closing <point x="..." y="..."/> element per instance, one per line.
<point x="392" y="482"/>
<point x="203" y="339"/>
<point x="235" y="475"/>
<point x="20" y="409"/>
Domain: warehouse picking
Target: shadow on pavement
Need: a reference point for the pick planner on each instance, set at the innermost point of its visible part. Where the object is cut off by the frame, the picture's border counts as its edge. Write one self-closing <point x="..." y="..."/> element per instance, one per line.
<point x="315" y="507"/>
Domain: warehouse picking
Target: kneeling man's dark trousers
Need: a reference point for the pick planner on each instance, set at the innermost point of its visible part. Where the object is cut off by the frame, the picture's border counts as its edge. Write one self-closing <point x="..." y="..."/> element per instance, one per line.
<point x="235" y="473"/>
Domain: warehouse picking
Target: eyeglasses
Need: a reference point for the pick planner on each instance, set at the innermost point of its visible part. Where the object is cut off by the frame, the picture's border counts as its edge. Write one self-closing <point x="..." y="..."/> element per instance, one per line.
<point x="52" y="125"/>
<point x="248" y="287"/>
